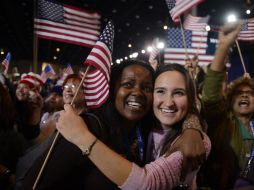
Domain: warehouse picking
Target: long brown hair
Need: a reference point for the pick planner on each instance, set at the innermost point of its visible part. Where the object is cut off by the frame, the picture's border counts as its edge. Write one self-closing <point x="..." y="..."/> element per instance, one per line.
<point x="177" y="129"/>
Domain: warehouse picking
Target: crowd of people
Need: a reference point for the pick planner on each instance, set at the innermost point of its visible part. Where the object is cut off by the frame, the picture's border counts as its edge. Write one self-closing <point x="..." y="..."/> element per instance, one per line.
<point x="169" y="127"/>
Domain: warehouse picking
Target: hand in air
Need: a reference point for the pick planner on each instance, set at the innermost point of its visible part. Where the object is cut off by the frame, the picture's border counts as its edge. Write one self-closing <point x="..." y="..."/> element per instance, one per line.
<point x="228" y="33"/>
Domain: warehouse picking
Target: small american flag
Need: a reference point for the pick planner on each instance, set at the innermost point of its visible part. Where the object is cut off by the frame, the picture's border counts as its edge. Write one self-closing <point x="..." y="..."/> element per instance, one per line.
<point x="66" y="23"/>
<point x="96" y="83"/>
<point x="155" y="51"/>
<point x="6" y="62"/>
<point x="178" y="7"/>
<point x="201" y="43"/>
<point x="247" y="30"/>
<point x="195" y="23"/>
<point x="47" y="72"/>
<point x="68" y="69"/>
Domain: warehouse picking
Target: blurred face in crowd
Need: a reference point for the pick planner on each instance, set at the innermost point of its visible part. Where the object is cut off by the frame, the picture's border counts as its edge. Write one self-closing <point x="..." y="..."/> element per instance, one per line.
<point x="243" y="101"/>
<point x="22" y="91"/>
<point x="54" y="102"/>
<point x="69" y="90"/>
<point x="170" y="98"/>
<point x="134" y="92"/>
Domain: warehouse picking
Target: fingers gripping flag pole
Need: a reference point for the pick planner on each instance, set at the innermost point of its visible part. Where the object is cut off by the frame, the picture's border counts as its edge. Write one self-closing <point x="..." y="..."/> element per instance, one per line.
<point x="100" y="58"/>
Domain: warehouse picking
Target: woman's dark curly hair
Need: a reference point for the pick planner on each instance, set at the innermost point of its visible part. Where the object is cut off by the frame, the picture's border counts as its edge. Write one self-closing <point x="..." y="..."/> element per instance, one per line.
<point x="235" y="84"/>
<point x="7" y="110"/>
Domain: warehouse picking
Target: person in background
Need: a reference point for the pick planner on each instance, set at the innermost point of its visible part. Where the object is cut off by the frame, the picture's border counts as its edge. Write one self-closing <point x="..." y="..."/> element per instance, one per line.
<point x="54" y="103"/>
<point x="29" y="104"/>
<point x="230" y="122"/>
<point x="64" y="169"/>
<point x="173" y="106"/>
<point x="12" y="143"/>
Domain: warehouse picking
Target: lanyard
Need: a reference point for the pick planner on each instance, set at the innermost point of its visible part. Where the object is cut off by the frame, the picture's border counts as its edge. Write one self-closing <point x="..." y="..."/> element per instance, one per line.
<point x="252" y="128"/>
<point x="140" y="144"/>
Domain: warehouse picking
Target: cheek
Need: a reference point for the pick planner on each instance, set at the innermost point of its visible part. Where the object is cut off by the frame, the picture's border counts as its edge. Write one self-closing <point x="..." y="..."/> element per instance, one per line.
<point x="156" y="101"/>
<point x="183" y="104"/>
<point x="234" y="102"/>
<point x="118" y="101"/>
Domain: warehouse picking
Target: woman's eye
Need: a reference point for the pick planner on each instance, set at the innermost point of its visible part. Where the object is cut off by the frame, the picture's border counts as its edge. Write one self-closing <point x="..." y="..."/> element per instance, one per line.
<point x="179" y="93"/>
<point x="126" y="84"/>
<point x="159" y="91"/>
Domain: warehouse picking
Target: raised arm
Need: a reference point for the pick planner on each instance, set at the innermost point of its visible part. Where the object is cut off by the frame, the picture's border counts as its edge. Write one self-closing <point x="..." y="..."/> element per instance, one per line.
<point x="227" y="37"/>
<point x="214" y="107"/>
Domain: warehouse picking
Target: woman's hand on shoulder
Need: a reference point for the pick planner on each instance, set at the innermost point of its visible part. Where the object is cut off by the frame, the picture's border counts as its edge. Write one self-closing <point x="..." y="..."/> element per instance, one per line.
<point x="191" y="144"/>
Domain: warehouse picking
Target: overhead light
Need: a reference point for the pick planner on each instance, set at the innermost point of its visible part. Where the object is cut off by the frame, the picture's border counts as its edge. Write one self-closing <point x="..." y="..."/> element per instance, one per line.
<point x="160" y="45"/>
<point x="165" y="27"/>
<point x="248" y="11"/>
<point x="231" y="18"/>
<point x="149" y="48"/>
<point x="57" y="49"/>
<point x="118" y="61"/>
<point x="125" y="58"/>
<point x="150" y="7"/>
<point x="207" y="28"/>
<point x="130" y="56"/>
<point x="55" y="57"/>
<point x="135" y="54"/>
<point x="143" y="51"/>
<point x="129" y="45"/>
<point x="2" y="52"/>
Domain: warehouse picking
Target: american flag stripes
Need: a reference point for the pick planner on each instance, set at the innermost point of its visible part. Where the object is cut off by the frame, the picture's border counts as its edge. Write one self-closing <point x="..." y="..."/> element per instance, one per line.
<point x="66" y="23"/>
<point x="195" y="23"/>
<point x="96" y="83"/>
<point x="178" y="7"/>
<point x="201" y="43"/>
<point x="68" y="69"/>
<point x="6" y="62"/>
<point x="247" y="30"/>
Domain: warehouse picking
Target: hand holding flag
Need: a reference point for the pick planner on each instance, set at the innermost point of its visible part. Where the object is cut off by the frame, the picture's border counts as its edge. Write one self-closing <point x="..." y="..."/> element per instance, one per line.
<point x="6" y="62"/>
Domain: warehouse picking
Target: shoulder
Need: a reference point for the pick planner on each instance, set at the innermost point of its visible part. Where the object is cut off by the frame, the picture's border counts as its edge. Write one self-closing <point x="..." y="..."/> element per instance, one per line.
<point x="95" y="125"/>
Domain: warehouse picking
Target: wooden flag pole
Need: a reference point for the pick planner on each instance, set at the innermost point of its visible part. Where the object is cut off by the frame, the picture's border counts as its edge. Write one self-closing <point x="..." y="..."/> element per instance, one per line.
<point x="241" y="57"/>
<point x="183" y="37"/>
<point x="57" y="134"/>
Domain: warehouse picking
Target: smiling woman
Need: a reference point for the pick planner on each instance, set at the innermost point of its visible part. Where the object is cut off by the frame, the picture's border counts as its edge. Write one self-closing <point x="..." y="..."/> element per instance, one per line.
<point x="70" y="86"/>
<point x="133" y="97"/>
<point x="134" y="92"/>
